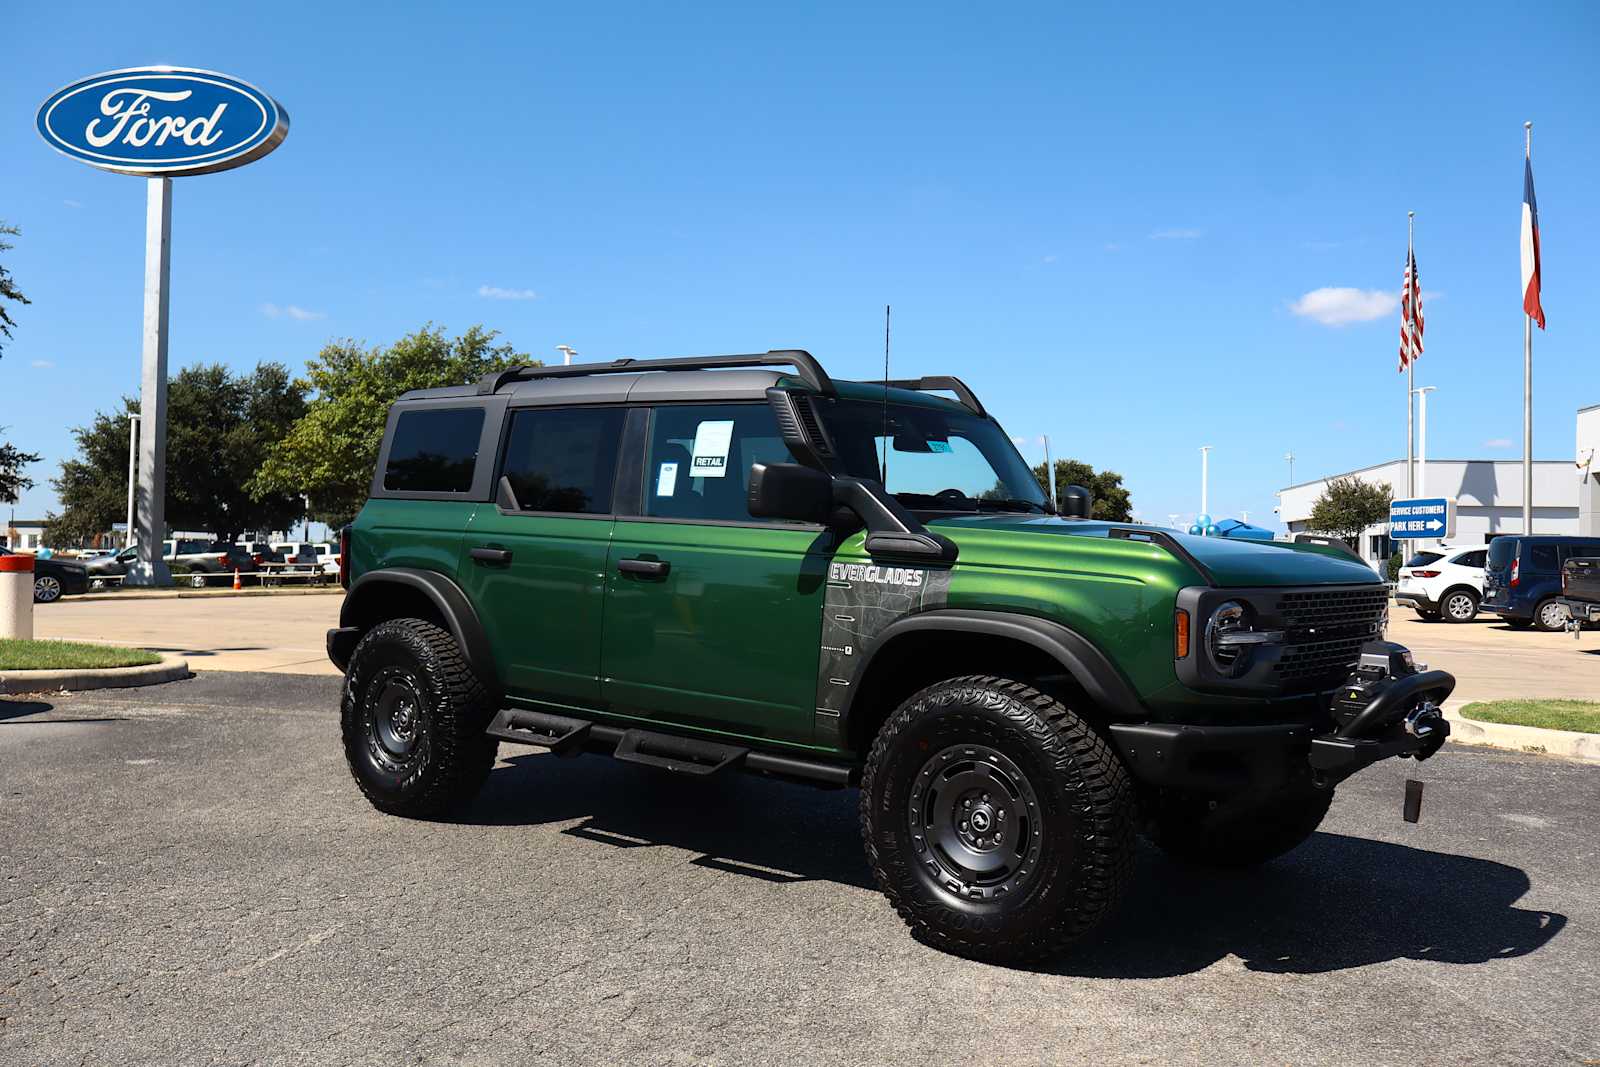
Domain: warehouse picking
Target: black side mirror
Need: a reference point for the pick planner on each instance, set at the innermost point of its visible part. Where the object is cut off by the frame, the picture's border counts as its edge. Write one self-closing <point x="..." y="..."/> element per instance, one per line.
<point x="1077" y="502"/>
<point x="790" y="491"/>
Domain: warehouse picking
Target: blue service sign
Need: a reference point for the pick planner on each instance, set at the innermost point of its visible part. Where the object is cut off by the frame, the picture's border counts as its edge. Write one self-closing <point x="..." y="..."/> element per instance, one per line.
<point x="162" y="121"/>
<point x="1428" y="518"/>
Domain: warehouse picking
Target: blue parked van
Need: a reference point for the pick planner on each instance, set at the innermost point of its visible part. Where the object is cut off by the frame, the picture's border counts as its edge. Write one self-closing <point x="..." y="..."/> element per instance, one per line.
<point x="1522" y="582"/>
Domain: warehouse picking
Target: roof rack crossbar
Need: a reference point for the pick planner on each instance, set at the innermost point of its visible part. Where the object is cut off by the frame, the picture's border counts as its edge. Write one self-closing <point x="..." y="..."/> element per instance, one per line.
<point x="804" y="363"/>
<point x="945" y="382"/>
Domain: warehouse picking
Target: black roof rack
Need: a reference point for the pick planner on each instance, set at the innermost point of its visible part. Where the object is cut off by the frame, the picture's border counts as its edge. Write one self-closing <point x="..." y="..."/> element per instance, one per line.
<point x="804" y="363"/>
<point x="945" y="382"/>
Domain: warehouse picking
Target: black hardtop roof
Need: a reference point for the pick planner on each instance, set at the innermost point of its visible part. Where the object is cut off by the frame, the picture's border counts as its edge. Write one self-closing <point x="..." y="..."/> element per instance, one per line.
<point x="733" y="377"/>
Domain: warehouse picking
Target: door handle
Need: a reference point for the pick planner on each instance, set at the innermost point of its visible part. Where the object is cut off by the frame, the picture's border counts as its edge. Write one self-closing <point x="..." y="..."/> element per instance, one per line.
<point x="491" y="554"/>
<point x="650" y="568"/>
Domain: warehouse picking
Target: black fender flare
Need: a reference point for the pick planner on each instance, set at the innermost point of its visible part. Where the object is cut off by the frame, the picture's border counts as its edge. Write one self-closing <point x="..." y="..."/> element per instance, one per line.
<point x="460" y="617"/>
<point x="1077" y="655"/>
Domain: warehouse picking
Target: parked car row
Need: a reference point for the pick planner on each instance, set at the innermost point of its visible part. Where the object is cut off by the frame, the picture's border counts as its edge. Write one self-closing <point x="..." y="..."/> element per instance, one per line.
<point x="54" y="578"/>
<point x="1516" y="578"/>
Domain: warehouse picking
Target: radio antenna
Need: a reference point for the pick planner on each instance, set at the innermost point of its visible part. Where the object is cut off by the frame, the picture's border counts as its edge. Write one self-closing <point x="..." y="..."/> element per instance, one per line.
<point x="883" y="448"/>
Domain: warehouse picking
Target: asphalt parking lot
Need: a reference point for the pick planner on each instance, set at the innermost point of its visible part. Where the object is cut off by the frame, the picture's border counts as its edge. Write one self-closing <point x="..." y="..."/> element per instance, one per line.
<point x="187" y="876"/>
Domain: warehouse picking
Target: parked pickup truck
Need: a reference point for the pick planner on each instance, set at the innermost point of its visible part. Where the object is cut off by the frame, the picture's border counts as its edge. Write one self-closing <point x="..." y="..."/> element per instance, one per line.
<point x="1580" y="591"/>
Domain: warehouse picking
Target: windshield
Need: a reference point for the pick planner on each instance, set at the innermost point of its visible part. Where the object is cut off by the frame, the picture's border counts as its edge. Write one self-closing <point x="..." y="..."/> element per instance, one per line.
<point x="937" y="460"/>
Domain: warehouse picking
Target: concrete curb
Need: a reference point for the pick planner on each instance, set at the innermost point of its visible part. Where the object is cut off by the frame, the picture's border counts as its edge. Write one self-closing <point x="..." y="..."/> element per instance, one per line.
<point x="202" y="594"/>
<point x="170" y="669"/>
<point x="1567" y="743"/>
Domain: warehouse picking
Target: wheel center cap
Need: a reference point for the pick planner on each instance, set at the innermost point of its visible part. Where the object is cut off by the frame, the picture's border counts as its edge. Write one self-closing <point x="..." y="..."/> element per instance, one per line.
<point x="982" y="818"/>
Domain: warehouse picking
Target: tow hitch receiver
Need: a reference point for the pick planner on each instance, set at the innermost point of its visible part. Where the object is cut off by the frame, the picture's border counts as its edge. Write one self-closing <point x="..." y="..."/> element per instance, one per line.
<point x="1387" y="707"/>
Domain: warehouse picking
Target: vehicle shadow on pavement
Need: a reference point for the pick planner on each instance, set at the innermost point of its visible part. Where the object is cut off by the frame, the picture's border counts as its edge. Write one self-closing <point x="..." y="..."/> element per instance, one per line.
<point x="1335" y="902"/>
<point x="762" y="828"/>
<point x="16" y="709"/>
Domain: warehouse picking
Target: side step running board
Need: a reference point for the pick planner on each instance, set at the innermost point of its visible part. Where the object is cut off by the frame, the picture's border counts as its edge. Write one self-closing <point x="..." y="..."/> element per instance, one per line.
<point x="558" y="733"/>
<point x="681" y="754"/>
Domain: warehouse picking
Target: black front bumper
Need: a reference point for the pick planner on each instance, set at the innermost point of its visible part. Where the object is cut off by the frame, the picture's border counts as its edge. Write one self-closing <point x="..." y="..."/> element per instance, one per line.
<point x="1229" y="759"/>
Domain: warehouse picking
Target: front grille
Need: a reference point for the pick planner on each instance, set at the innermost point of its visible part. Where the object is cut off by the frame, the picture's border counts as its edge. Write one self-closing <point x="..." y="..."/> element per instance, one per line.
<point x="1324" y="632"/>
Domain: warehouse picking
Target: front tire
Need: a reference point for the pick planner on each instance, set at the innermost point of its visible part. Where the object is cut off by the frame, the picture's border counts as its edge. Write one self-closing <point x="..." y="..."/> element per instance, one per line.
<point x="46" y="589"/>
<point x="1186" y="827"/>
<point x="1550" y="616"/>
<point x="996" y="821"/>
<point x="197" y="580"/>
<point x="1459" y="605"/>
<point x="413" y="717"/>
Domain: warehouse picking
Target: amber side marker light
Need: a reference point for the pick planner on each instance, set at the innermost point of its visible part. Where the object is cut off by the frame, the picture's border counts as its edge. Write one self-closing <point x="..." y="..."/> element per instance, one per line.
<point x="1180" y="634"/>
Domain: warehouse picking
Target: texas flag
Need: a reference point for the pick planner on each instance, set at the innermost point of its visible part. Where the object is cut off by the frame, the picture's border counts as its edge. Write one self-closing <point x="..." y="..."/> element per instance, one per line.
<point x="1530" y="247"/>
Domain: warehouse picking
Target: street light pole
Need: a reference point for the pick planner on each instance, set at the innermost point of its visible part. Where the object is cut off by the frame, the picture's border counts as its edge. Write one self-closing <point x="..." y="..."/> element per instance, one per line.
<point x="1205" y="477"/>
<point x="567" y="352"/>
<point x="1290" y="457"/>
<point x="133" y="471"/>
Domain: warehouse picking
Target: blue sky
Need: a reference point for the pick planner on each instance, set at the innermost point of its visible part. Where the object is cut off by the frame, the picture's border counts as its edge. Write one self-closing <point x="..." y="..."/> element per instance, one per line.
<point x="1103" y="219"/>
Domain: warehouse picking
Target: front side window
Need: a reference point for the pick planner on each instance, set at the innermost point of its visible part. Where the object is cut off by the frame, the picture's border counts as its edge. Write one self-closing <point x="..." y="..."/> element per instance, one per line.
<point x="932" y="459"/>
<point x="564" y="460"/>
<point x="698" y="464"/>
<point x="434" y="450"/>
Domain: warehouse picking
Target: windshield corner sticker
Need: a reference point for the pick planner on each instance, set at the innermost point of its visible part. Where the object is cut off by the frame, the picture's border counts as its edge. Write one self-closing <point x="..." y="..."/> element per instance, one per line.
<point x="709" y="458"/>
<point x="860" y="602"/>
<point x="667" y="480"/>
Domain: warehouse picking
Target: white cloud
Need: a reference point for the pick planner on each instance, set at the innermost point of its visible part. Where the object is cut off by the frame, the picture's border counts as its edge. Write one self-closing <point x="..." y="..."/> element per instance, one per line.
<point x="71" y="203"/>
<point x="1113" y="247"/>
<point x="495" y="292"/>
<point x="1177" y="235"/>
<point x="1050" y="259"/>
<point x="1340" y="306"/>
<point x="299" y="314"/>
<point x="42" y="364"/>
<point x="1497" y="442"/>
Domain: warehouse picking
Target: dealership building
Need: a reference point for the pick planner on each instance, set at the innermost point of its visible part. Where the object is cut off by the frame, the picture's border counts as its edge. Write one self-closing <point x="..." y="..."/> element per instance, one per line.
<point x="1487" y="492"/>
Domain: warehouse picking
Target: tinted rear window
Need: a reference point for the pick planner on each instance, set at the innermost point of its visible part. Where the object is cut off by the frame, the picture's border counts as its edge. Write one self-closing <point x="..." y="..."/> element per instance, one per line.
<point x="564" y="460"/>
<point x="1471" y="559"/>
<point x="1540" y="557"/>
<point x="434" y="451"/>
<point x="1502" y="550"/>
<point x="1422" y="559"/>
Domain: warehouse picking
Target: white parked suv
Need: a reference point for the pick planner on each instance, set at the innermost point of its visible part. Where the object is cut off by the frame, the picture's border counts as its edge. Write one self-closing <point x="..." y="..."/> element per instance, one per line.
<point x="1445" y="584"/>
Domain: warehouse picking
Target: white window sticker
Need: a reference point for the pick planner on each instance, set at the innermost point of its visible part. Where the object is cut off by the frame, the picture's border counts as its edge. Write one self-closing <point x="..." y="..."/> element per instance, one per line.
<point x="709" y="458"/>
<point x="667" y="480"/>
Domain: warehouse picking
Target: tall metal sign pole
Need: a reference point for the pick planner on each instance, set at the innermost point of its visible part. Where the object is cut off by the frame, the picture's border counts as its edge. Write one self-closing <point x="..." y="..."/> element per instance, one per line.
<point x="159" y="123"/>
<point x="149" y="568"/>
<point x="1527" y="368"/>
<point x="1411" y="375"/>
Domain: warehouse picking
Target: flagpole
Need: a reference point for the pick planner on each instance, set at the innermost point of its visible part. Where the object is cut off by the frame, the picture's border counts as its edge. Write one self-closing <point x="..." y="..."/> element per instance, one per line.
<point x="1527" y="380"/>
<point x="1411" y="360"/>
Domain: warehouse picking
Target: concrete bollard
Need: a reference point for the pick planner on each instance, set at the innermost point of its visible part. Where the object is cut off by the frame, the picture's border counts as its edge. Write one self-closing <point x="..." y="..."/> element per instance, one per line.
<point x="16" y="596"/>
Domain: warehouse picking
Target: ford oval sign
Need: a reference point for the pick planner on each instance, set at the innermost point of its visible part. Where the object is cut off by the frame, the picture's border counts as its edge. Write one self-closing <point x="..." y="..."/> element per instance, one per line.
<point x="163" y="121"/>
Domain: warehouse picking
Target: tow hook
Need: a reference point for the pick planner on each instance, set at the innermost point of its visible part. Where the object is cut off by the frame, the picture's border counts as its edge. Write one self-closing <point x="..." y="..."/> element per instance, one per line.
<point x="1423" y="720"/>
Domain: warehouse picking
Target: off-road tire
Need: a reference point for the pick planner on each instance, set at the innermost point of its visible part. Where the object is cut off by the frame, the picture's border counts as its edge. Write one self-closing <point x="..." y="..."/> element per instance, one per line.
<point x="1076" y="796"/>
<point x="1184" y="827"/>
<point x="450" y="756"/>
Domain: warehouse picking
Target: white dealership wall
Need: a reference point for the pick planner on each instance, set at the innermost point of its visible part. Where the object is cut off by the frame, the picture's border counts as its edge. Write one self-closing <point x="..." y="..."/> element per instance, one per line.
<point x="1587" y="469"/>
<point x="1488" y="495"/>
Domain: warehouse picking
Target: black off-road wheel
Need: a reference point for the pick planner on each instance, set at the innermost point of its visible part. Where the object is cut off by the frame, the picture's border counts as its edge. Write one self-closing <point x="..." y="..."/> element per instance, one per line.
<point x="997" y="822"/>
<point x="413" y="717"/>
<point x="1201" y="830"/>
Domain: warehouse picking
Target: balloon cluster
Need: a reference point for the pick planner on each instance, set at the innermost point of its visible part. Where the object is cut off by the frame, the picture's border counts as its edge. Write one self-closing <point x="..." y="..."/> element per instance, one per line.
<point x="1204" y="527"/>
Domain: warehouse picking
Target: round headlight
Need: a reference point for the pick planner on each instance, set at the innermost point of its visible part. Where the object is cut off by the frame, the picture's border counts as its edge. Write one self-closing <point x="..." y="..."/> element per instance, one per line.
<point x="1230" y="618"/>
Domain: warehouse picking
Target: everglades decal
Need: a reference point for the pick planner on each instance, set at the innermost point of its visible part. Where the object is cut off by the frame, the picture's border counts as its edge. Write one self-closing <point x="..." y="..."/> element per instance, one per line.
<point x="860" y="602"/>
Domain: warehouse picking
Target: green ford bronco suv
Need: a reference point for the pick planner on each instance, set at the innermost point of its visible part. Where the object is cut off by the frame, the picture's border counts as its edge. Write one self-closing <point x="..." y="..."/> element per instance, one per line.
<point x="709" y="565"/>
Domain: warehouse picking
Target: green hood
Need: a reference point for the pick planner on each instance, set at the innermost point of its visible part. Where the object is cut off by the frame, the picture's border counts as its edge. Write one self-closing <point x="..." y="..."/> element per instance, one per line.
<point x="1231" y="563"/>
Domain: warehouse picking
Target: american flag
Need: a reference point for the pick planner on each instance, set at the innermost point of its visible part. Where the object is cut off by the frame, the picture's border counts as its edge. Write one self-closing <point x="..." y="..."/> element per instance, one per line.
<point x="1531" y="281"/>
<point x="1410" y="314"/>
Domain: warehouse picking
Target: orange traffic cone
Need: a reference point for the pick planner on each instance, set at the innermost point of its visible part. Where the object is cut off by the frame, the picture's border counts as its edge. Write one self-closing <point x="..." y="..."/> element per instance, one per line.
<point x="237" y="584"/>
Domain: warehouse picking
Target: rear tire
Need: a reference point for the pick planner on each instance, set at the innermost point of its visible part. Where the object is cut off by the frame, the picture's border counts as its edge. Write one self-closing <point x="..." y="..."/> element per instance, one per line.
<point x="197" y="580"/>
<point x="1184" y="827"/>
<point x="1550" y="616"/>
<point x="1459" y="605"/>
<point x="46" y="589"/>
<point x="996" y="821"/>
<point x="413" y="717"/>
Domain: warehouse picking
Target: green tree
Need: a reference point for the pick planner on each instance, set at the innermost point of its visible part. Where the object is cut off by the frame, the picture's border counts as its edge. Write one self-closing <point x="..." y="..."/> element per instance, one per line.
<point x="1111" y="501"/>
<point x="329" y="454"/>
<point x="13" y="483"/>
<point x="8" y="287"/>
<point x="219" y="427"/>
<point x="1348" y="506"/>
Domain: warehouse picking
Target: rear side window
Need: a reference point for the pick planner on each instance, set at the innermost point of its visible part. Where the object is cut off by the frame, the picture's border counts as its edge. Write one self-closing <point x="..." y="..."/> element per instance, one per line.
<point x="1579" y="550"/>
<point x="1542" y="557"/>
<point x="564" y="460"/>
<point x="1422" y="559"/>
<point x="1472" y="559"/>
<point x="434" y="451"/>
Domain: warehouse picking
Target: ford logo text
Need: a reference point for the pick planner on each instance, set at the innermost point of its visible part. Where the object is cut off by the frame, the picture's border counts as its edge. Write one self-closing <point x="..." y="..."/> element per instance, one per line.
<point x="162" y="121"/>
